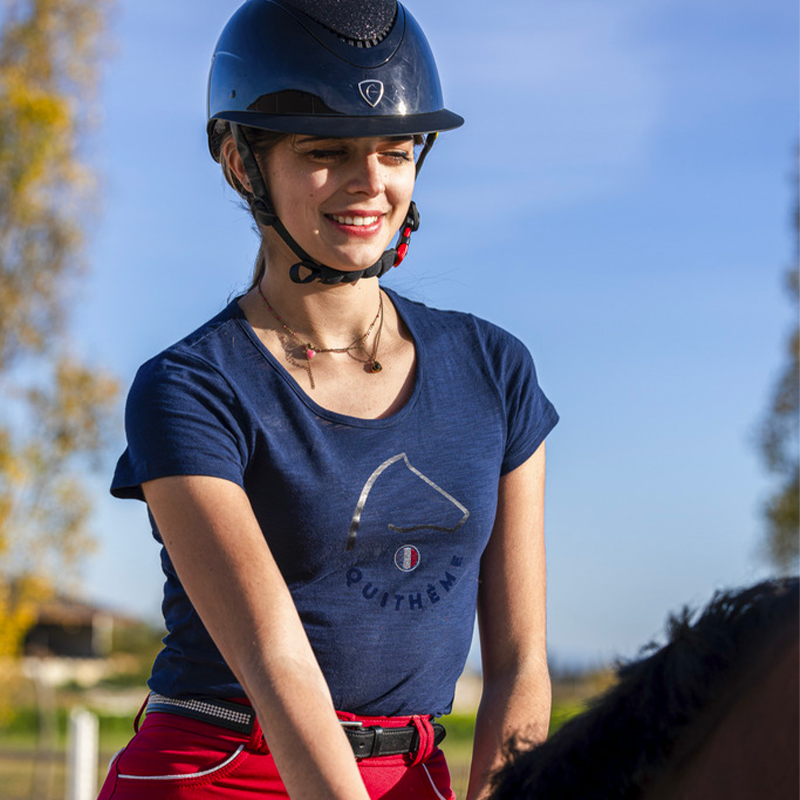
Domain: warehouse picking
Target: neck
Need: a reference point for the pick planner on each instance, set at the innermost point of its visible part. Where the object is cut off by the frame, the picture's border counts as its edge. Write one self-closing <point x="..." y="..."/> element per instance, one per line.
<point x="327" y="315"/>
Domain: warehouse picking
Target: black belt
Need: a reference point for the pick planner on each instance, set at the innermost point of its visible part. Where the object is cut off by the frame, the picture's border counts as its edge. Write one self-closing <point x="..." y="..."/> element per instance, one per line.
<point x="366" y="741"/>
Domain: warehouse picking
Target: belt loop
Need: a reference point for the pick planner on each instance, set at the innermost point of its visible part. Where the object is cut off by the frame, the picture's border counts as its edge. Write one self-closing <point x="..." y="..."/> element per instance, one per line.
<point x="426" y="742"/>
<point x="377" y="741"/>
<point x="139" y="715"/>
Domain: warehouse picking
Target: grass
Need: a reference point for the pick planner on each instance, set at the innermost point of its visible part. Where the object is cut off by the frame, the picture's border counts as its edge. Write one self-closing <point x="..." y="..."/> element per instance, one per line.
<point x="31" y="771"/>
<point x="457" y="747"/>
<point x="26" y="774"/>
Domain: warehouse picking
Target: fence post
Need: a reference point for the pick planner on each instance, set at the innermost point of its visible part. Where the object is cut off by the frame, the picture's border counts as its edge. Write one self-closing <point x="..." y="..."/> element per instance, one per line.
<point x="82" y="755"/>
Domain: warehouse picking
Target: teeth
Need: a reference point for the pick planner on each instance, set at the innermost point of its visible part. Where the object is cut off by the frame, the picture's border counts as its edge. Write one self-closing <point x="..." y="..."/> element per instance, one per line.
<point x="357" y="221"/>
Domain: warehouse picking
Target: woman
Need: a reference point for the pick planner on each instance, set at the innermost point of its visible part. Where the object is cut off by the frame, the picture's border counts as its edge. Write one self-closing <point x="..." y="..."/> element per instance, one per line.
<point x="338" y="475"/>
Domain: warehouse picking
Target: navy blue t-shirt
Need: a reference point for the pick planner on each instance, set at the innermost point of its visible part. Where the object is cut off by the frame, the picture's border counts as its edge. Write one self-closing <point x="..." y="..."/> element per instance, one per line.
<point x="377" y="525"/>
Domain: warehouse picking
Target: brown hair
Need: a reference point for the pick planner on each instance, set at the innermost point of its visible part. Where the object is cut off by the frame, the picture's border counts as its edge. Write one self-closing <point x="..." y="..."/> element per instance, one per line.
<point x="263" y="143"/>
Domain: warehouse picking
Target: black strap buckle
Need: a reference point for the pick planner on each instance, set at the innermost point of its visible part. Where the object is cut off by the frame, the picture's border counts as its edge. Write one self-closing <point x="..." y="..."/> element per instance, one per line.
<point x="372" y="741"/>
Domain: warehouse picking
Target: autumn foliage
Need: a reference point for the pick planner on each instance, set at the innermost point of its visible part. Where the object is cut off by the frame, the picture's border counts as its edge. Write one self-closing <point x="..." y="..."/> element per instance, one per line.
<point x="779" y="448"/>
<point x="54" y="407"/>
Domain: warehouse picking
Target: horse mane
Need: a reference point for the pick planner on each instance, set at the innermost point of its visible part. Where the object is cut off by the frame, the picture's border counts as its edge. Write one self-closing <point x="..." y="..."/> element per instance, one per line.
<point x="623" y="741"/>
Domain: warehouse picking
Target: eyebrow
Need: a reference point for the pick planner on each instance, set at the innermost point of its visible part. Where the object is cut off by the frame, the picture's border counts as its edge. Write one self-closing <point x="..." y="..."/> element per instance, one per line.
<point x="399" y="138"/>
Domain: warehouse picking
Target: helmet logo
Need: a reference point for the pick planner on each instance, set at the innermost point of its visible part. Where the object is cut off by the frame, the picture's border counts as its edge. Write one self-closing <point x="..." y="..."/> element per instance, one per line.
<point x="371" y="91"/>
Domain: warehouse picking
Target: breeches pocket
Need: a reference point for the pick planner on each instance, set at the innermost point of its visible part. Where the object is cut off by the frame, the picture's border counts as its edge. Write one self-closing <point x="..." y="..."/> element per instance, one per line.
<point x="181" y="753"/>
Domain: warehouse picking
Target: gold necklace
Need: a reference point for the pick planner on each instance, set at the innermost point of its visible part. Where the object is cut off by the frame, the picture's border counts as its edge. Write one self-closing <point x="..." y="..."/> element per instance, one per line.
<point x="310" y="350"/>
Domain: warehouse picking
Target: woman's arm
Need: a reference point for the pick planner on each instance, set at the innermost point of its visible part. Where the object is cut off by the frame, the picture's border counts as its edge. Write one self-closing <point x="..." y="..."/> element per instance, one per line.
<point x="511" y="619"/>
<point x="227" y="569"/>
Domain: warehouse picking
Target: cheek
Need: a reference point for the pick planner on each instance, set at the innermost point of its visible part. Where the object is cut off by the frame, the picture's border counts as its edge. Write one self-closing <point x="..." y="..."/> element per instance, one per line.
<point x="311" y="188"/>
<point x="403" y="188"/>
<point x="295" y="195"/>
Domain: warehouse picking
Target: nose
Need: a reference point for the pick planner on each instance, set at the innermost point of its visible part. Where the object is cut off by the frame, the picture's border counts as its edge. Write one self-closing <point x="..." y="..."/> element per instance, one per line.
<point x="368" y="176"/>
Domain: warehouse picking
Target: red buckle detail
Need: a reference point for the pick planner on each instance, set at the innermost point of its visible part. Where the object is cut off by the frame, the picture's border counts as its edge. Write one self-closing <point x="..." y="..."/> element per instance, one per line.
<point x="401" y="254"/>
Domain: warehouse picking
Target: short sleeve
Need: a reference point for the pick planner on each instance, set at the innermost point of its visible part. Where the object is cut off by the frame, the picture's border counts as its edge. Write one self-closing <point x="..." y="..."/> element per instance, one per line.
<point x="181" y="418"/>
<point x="530" y="416"/>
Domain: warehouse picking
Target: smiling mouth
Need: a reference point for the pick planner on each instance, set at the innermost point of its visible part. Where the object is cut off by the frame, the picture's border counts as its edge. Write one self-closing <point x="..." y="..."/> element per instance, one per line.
<point x="358" y="221"/>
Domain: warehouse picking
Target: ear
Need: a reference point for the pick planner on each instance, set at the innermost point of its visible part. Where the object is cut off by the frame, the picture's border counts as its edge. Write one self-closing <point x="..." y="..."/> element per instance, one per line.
<point x="229" y="156"/>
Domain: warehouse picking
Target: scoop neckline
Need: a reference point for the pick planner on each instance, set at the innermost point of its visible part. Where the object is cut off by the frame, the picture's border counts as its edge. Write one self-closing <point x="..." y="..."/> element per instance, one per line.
<point x="326" y="413"/>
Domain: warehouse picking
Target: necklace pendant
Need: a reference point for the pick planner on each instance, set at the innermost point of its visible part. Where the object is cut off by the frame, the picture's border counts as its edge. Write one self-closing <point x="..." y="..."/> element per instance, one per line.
<point x="375" y="366"/>
<point x="310" y="352"/>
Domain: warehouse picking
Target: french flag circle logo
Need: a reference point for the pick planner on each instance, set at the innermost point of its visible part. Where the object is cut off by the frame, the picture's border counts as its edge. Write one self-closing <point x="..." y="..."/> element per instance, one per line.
<point x="406" y="559"/>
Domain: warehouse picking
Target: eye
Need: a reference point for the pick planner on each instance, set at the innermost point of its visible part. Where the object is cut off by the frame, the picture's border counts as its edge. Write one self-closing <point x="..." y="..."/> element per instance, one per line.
<point x="397" y="155"/>
<point x="325" y="155"/>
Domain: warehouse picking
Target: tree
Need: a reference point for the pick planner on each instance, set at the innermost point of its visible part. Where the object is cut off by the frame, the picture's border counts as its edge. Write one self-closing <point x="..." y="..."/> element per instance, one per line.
<point x="54" y="408"/>
<point x="779" y="443"/>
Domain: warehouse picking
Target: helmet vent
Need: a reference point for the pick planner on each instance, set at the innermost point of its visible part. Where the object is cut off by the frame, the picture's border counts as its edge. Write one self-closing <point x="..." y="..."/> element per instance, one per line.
<point x="355" y="22"/>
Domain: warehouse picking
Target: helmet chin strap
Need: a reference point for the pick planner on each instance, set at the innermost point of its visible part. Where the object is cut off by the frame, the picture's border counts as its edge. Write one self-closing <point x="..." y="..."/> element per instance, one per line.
<point x="264" y="213"/>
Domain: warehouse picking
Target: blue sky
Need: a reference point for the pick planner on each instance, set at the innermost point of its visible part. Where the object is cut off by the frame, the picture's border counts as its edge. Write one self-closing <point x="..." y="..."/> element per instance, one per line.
<point x="620" y="198"/>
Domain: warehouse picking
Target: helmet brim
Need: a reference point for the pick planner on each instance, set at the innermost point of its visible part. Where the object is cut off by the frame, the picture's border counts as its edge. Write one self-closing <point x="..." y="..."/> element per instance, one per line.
<point x="341" y="126"/>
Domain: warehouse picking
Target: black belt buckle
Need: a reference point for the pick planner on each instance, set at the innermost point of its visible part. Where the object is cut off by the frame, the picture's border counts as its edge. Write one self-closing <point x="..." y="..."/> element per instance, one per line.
<point x="374" y="741"/>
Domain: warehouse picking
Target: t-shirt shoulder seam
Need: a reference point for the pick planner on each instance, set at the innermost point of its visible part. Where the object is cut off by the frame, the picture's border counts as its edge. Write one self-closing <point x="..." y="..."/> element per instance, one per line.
<point x="182" y="350"/>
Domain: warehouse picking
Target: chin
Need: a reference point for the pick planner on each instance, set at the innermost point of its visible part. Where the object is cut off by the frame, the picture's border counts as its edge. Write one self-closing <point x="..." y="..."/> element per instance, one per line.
<point x="353" y="263"/>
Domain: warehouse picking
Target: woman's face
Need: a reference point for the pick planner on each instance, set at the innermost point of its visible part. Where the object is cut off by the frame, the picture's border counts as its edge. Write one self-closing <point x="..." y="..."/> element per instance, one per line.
<point x="342" y="200"/>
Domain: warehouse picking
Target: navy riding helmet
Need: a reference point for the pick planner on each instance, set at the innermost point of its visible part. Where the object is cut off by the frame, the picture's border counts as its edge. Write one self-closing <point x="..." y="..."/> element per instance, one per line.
<point x="324" y="67"/>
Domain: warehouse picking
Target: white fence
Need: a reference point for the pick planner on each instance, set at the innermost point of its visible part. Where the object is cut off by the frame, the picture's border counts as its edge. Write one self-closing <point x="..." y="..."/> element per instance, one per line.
<point x="82" y="748"/>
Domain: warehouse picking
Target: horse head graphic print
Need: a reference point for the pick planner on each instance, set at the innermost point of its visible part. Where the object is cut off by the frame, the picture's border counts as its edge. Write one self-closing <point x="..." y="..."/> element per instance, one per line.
<point x="400" y="537"/>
